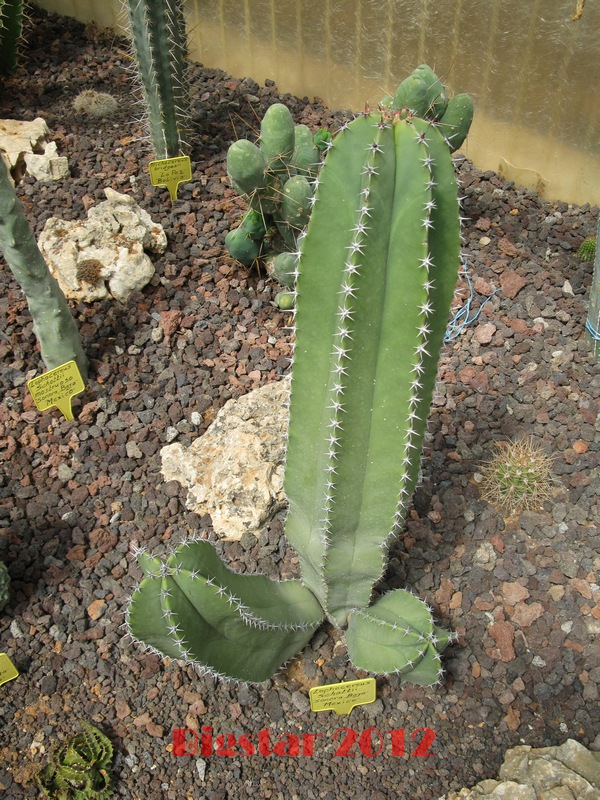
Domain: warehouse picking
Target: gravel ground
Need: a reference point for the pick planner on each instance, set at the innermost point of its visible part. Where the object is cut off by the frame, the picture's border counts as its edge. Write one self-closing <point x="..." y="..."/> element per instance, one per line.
<point x="521" y="591"/>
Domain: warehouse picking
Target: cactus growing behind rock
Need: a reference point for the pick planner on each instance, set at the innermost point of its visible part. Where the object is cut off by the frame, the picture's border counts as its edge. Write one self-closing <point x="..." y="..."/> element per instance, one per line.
<point x="11" y="28"/>
<point x="160" y="46"/>
<point x="53" y="323"/>
<point x="369" y="329"/>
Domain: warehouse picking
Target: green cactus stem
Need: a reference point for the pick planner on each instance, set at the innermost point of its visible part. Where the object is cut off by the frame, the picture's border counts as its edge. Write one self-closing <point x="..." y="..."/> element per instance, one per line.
<point x="369" y="330"/>
<point x="11" y="29"/>
<point x="53" y="323"/>
<point x="239" y="626"/>
<point x="160" y="46"/>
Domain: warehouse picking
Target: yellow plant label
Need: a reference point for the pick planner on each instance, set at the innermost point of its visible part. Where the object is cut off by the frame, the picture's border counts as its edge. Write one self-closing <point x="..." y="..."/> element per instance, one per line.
<point x="170" y="172"/>
<point x="8" y="671"/>
<point x="342" y="697"/>
<point x="57" y="387"/>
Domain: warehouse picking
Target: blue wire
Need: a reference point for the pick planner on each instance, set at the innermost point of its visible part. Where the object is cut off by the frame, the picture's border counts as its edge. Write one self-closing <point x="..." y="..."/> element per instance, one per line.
<point x="461" y="319"/>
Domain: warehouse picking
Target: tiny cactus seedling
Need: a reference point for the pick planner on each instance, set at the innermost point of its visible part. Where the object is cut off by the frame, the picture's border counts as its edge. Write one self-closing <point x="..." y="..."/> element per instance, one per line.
<point x="369" y="329"/>
<point x="518" y="477"/>
<point x="79" y="770"/>
<point x="587" y="249"/>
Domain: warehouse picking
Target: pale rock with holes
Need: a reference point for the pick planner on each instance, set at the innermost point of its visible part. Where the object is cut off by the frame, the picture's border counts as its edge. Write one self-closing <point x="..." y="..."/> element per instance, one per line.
<point x="104" y="256"/>
<point x="564" y="772"/>
<point x="234" y="472"/>
<point x="26" y="148"/>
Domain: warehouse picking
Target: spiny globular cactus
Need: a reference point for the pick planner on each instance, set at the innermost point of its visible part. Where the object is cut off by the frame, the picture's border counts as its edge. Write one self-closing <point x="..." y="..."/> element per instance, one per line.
<point x="369" y="329"/>
<point x="274" y="177"/>
<point x="160" y="45"/>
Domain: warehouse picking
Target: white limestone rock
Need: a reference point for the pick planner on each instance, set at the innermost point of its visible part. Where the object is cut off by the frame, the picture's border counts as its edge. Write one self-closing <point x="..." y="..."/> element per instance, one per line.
<point x="566" y="772"/>
<point x="234" y="472"/>
<point x="26" y="146"/>
<point x="103" y="256"/>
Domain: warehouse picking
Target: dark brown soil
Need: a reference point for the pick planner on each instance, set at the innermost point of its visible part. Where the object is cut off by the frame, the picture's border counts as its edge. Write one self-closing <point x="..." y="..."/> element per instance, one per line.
<point x="522" y="592"/>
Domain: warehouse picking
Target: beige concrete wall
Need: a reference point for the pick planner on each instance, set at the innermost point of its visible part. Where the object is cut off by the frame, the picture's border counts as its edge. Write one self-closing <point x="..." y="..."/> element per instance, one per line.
<point x="530" y="67"/>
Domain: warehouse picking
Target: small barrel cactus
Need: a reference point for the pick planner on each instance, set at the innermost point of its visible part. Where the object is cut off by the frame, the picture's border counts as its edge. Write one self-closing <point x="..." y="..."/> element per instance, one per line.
<point x="587" y="249"/>
<point x="518" y="477"/>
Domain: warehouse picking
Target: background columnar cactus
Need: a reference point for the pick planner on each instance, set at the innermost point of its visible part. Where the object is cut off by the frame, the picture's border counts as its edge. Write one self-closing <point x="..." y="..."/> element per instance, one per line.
<point x="274" y="177"/>
<point x="53" y="323"/>
<point x="11" y="27"/>
<point x="160" y="46"/>
<point x="4" y="585"/>
<point x="369" y="329"/>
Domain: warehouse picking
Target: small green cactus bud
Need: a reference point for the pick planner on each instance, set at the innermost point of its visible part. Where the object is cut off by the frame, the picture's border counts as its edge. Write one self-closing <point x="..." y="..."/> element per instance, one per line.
<point x="587" y="249"/>
<point x="437" y="99"/>
<point x="322" y="139"/>
<point x="295" y="202"/>
<point x="306" y="155"/>
<point x="456" y="120"/>
<point x="412" y="95"/>
<point x="254" y="225"/>
<point x="277" y="137"/>
<point x="283" y="268"/>
<point x="246" y="167"/>
<point x="242" y="246"/>
<point x="285" y="300"/>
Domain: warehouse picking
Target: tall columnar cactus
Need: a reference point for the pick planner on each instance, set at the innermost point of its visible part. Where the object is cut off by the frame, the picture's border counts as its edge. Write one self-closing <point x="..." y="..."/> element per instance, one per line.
<point x="53" y="323"/>
<point x="11" y="27"/>
<point x="160" y="46"/>
<point x="369" y="328"/>
<point x="275" y="178"/>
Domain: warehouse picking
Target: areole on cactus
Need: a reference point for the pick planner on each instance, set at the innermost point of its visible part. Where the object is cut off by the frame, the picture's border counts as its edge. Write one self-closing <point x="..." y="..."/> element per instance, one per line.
<point x="376" y="272"/>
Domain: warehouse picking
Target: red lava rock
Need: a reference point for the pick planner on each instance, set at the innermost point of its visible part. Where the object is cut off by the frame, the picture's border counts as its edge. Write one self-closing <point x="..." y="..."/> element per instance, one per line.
<point x="581" y="586"/>
<point x="122" y="709"/>
<point x="169" y="322"/>
<point x="580" y="447"/>
<point x="483" y="224"/>
<point x="481" y="286"/>
<point x="485" y="333"/>
<point x="504" y="636"/>
<point x="507" y="248"/>
<point x="524" y="614"/>
<point x="96" y="608"/>
<point x="511" y="284"/>
<point x="513" y="593"/>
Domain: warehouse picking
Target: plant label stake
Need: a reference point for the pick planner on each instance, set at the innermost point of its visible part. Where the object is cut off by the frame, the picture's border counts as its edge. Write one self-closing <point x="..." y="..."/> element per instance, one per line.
<point x="342" y="697"/>
<point x="8" y="671"/>
<point x="170" y="172"/>
<point x="57" y="387"/>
